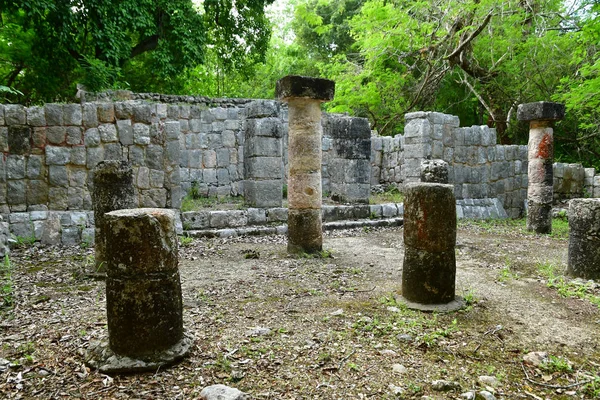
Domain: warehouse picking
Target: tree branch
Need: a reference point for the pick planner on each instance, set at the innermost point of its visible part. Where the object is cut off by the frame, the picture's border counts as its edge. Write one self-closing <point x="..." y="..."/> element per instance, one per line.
<point x="145" y="45"/>
<point x="472" y="36"/>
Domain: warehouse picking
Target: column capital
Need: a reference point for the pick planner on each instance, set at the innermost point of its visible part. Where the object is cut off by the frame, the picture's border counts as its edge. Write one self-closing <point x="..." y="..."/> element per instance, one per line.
<point x="541" y="111"/>
<point x="295" y="86"/>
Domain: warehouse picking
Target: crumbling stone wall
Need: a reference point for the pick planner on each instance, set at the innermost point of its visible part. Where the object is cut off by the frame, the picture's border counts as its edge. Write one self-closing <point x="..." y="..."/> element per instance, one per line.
<point x="574" y="181"/>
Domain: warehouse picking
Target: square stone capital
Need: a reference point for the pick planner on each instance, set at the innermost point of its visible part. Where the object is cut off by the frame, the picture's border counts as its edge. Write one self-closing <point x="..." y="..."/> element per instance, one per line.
<point x="295" y="86"/>
<point x="541" y="111"/>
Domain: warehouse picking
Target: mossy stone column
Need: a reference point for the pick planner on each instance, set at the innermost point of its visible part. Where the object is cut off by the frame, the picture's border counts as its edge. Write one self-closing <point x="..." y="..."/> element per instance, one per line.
<point x="304" y="96"/>
<point x="113" y="190"/>
<point x="429" y="269"/>
<point x="584" y="238"/>
<point x="540" y="154"/>
<point x="143" y="293"/>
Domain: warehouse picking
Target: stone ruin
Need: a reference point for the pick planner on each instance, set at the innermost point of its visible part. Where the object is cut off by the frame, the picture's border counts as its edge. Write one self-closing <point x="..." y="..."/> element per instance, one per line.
<point x="237" y="146"/>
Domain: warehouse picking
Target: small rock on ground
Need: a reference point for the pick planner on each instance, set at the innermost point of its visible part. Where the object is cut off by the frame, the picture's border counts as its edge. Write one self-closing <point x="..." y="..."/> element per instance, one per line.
<point x="222" y="392"/>
<point x="444" y="386"/>
<point x="536" y="358"/>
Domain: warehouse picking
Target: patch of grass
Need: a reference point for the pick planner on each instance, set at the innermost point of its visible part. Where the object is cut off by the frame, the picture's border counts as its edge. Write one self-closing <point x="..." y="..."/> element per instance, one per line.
<point x="6" y="284"/>
<point x="185" y="241"/>
<point x="565" y="287"/>
<point x="391" y="195"/>
<point x="557" y="364"/>
<point x="560" y="226"/>
<point x="24" y="241"/>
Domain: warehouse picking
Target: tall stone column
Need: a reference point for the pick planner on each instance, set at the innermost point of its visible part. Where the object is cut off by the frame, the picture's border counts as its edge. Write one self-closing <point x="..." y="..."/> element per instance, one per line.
<point x="304" y="96"/>
<point x="540" y="155"/>
<point x="584" y="238"/>
<point x="113" y="190"/>
<point x="429" y="269"/>
<point x="143" y="293"/>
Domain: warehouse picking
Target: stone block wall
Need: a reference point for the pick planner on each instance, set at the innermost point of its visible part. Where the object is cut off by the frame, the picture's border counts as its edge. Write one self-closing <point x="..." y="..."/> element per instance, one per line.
<point x="387" y="159"/>
<point x="574" y="181"/>
<point x="346" y="165"/>
<point x="478" y="167"/>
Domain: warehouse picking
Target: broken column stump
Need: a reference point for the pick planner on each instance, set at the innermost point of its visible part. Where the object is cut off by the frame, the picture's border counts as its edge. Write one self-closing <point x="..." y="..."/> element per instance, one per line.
<point x="429" y="270"/>
<point x="113" y="190"/>
<point x="584" y="238"/>
<point x="143" y="293"/>
<point x="540" y="155"/>
<point x="434" y="171"/>
<point x="304" y="96"/>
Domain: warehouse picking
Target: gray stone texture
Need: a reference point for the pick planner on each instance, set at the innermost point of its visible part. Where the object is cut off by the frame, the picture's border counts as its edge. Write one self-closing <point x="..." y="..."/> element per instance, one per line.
<point x="541" y="111"/>
<point x="113" y="190"/>
<point x="584" y="238"/>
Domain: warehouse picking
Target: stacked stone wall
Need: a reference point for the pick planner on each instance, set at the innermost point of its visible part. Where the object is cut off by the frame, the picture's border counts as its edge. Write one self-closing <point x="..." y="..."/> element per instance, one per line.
<point x="478" y="167"/>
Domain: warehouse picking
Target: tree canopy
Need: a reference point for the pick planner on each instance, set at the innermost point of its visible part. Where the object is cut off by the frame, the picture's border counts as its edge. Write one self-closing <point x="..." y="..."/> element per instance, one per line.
<point x="48" y="46"/>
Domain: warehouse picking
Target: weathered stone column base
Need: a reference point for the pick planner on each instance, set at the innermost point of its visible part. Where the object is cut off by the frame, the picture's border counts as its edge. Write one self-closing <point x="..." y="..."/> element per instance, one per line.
<point x="584" y="238"/>
<point x="539" y="217"/>
<point x="101" y="357"/>
<point x="305" y="231"/>
<point x="454" y="305"/>
<point x="428" y="277"/>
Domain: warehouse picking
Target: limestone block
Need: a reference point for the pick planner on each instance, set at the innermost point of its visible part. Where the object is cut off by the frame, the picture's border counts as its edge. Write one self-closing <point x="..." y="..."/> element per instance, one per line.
<point x="227" y="219"/>
<point x="18" y="139"/>
<point x="141" y="134"/>
<point x="125" y="132"/>
<point x="37" y="192"/>
<point x="105" y="112"/>
<point x="256" y="216"/>
<point x="15" y="114"/>
<point x="270" y="127"/>
<point x="355" y="193"/>
<point x="263" y="193"/>
<point x="57" y="198"/>
<point x="89" y="115"/>
<point x="36" y="116"/>
<point x="172" y="130"/>
<point x="91" y="137"/>
<point x="1" y="114"/>
<point x="155" y="157"/>
<point x="15" y="193"/>
<point x="15" y="167"/>
<point x="108" y="133"/>
<point x="72" y="114"/>
<point x="56" y="134"/>
<point x="143" y="112"/>
<point x="264" y="168"/>
<point x="196" y="220"/>
<point x="418" y="128"/>
<point x="153" y="198"/>
<point x="262" y="109"/>
<point x="223" y="178"/>
<point x="173" y="152"/>
<point x="124" y="109"/>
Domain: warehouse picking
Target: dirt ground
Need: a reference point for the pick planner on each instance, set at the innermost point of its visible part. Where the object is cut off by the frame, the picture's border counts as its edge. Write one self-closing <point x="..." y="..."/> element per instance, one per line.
<point x="331" y="327"/>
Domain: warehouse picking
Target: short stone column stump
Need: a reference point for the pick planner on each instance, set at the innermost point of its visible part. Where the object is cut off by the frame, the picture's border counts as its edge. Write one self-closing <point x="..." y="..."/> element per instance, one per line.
<point x="429" y="270"/>
<point x="143" y="294"/>
<point x="584" y="238"/>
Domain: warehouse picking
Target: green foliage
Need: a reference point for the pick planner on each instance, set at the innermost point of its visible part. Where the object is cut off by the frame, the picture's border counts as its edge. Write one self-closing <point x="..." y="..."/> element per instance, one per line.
<point x="391" y="195"/>
<point x="50" y="45"/>
<point x="6" y="284"/>
<point x="554" y="274"/>
<point x="185" y="241"/>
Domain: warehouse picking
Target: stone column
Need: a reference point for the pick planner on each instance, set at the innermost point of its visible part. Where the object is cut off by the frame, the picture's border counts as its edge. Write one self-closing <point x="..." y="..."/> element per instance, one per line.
<point x="540" y="156"/>
<point x="113" y="190"/>
<point x="143" y="293"/>
<point x="304" y="96"/>
<point x="584" y="238"/>
<point x="429" y="270"/>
